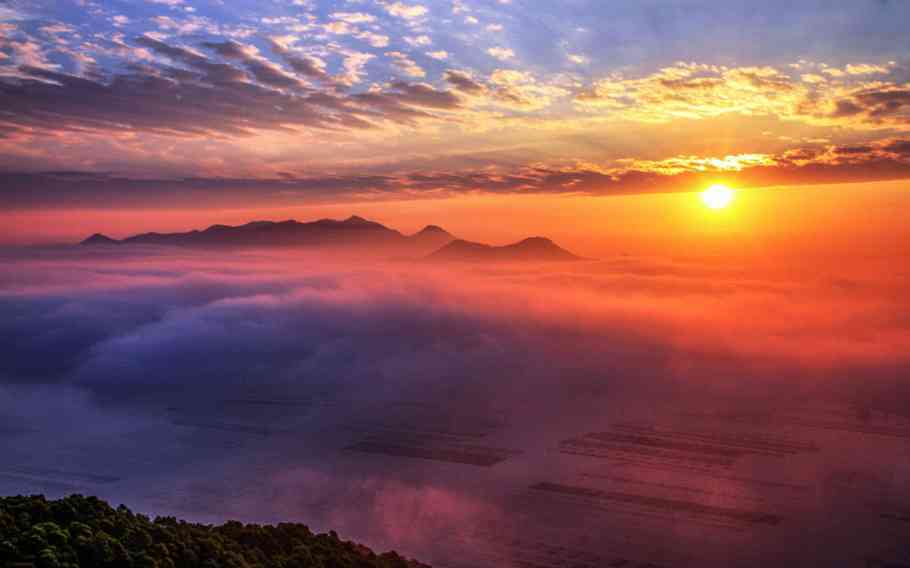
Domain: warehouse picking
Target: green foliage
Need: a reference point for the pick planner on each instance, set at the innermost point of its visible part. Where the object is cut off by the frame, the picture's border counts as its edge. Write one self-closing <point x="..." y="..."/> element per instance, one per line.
<point x="86" y="531"/>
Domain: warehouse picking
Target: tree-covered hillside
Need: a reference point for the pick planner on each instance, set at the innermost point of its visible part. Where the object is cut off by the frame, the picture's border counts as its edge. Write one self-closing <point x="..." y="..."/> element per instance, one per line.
<point x="86" y="531"/>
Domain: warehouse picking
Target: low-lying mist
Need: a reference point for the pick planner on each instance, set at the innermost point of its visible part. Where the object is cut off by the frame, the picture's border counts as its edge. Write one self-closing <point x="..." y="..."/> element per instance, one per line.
<point x="646" y="410"/>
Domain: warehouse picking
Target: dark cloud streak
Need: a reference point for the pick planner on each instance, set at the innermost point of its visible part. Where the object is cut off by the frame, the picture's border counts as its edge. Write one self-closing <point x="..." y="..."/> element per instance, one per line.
<point x="881" y="161"/>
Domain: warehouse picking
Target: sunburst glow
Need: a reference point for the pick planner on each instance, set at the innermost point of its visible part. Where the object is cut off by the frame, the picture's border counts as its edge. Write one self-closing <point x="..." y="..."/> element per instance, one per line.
<point x="718" y="196"/>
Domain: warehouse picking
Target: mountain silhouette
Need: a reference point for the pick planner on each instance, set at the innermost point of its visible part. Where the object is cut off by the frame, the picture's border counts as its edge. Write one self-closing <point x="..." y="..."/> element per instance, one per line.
<point x="99" y="239"/>
<point x="533" y="249"/>
<point x="354" y="231"/>
<point x="432" y="242"/>
<point x="432" y="237"/>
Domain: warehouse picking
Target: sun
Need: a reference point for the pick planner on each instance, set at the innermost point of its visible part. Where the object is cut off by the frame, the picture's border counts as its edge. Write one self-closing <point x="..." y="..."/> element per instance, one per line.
<point x="718" y="196"/>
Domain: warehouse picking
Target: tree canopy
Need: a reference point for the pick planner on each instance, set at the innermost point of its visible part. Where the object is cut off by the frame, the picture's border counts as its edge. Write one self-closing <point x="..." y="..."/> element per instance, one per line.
<point x="86" y="531"/>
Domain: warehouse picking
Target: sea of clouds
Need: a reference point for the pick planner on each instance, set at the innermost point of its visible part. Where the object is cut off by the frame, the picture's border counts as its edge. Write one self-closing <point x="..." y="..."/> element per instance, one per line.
<point x="215" y="386"/>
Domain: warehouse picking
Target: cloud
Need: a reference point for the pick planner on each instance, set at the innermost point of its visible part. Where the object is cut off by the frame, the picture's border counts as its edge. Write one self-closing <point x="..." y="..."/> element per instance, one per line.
<point x="354" y="64"/>
<point x="696" y="91"/>
<point x="406" y="11"/>
<point x="305" y="65"/>
<point x="887" y="106"/>
<point x="407" y="65"/>
<point x="261" y="68"/>
<point x="501" y="53"/>
<point x="214" y="72"/>
<point x="699" y="91"/>
<point x="190" y="25"/>
<point x="198" y="76"/>
<point x="135" y="375"/>
<point x="520" y="90"/>
<point x="27" y="51"/>
<point x="373" y="38"/>
<point x="163" y="104"/>
<point x="193" y="94"/>
<point x="424" y="95"/>
<point x="418" y="41"/>
<point x="354" y="17"/>
<point x="506" y="88"/>
<point x="339" y="28"/>
<point x="809" y="165"/>
<point x="866" y="69"/>
<point x="463" y="81"/>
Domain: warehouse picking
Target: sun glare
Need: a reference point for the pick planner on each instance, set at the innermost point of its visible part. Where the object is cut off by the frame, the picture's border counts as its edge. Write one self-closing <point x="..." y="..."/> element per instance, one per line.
<point x="718" y="196"/>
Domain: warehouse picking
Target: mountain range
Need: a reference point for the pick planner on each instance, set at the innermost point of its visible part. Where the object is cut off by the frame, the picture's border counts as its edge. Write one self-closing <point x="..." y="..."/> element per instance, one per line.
<point x="432" y="242"/>
<point x="533" y="249"/>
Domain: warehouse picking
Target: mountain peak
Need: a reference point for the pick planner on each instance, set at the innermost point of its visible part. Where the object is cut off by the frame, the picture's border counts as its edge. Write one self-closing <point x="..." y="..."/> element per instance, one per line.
<point x="357" y="220"/>
<point x="535" y="241"/>
<point x="349" y="232"/>
<point x="532" y="249"/>
<point x="433" y="230"/>
<point x="100" y="239"/>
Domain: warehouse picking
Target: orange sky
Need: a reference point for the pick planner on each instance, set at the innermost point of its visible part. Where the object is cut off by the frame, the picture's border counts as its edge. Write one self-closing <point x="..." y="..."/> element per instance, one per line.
<point x="867" y="219"/>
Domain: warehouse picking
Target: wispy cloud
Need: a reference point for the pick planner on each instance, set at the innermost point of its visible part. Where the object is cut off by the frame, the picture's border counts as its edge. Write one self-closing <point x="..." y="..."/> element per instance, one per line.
<point x="815" y="164"/>
<point x="695" y="91"/>
<point x="501" y="53"/>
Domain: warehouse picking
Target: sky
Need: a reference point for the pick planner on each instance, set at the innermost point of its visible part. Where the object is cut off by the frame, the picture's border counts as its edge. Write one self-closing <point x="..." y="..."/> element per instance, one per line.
<point x="231" y="111"/>
<point x="704" y="387"/>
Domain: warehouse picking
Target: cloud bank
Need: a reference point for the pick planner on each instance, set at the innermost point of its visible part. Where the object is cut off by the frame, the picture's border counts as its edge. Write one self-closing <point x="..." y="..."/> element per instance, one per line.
<point x="441" y="412"/>
<point x="883" y="160"/>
